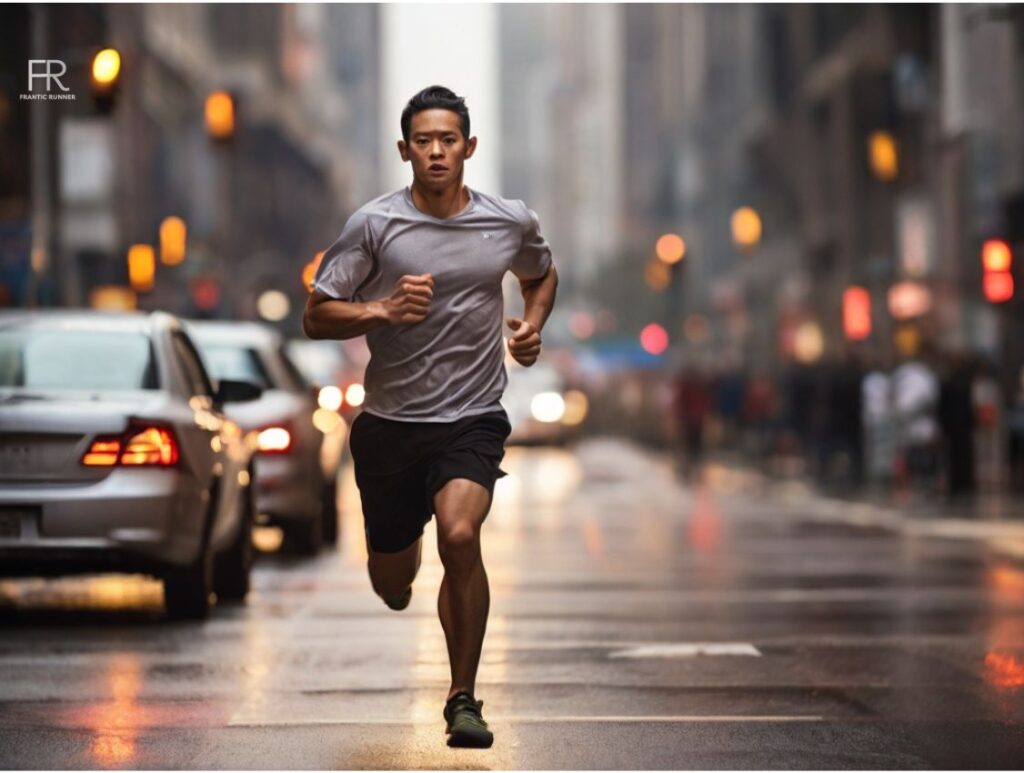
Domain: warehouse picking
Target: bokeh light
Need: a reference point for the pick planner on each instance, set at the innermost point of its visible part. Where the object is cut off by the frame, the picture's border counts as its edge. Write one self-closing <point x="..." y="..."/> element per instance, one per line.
<point x="273" y="305"/>
<point x="654" y="339"/>
<point x="670" y="248"/>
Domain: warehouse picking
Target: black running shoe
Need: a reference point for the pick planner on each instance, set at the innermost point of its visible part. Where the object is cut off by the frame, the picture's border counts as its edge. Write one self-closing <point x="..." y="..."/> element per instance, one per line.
<point x="466" y="725"/>
<point x="401" y="601"/>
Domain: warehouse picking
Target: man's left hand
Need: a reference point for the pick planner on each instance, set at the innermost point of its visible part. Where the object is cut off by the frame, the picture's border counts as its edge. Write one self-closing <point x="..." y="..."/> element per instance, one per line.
<point x="524" y="346"/>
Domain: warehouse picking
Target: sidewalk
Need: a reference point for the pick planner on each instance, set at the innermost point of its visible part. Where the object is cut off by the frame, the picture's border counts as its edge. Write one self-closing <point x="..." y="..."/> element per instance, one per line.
<point x="996" y="518"/>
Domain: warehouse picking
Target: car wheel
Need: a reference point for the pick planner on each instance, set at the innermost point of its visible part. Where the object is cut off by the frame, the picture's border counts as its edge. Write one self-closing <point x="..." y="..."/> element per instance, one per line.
<point x="330" y="513"/>
<point x="307" y="536"/>
<point x="187" y="590"/>
<point x="234" y="566"/>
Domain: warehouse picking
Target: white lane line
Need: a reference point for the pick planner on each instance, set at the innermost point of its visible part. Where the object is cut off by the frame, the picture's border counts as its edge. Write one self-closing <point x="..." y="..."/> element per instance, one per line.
<point x="688" y="650"/>
<point x="534" y="720"/>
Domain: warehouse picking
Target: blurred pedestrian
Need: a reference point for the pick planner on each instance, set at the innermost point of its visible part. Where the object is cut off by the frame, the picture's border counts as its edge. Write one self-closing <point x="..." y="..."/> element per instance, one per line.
<point x="915" y="399"/>
<point x="987" y="400"/>
<point x="430" y="259"/>
<point x="878" y="417"/>
<point x="847" y="416"/>
<point x="692" y="404"/>
<point x="956" y="417"/>
<point x="1015" y="432"/>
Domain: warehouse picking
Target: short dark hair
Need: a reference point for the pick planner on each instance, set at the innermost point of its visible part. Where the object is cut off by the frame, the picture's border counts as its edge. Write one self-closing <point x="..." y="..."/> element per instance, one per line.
<point x="436" y="97"/>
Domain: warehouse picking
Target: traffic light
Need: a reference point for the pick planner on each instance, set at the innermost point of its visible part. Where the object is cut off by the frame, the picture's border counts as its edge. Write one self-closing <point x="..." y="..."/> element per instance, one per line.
<point x="105" y="78"/>
<point x="172" y="241"/>
<point x="141" y="267"/>
<point x="996" y="262"/>
<point x="220" y="116"/>
<point x="883" y="155"/>
<point x="856" y="313"/>
<point x="746" y="227"/>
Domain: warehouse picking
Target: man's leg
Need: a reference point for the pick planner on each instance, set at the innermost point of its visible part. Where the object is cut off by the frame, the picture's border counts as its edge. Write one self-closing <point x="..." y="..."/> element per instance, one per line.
<point x="391" y="574"/>
<point x="464" y="600"/>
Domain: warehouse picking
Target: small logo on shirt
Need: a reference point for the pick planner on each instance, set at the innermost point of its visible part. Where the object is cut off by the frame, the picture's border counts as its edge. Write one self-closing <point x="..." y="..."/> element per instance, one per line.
<point x="487" y="235"/>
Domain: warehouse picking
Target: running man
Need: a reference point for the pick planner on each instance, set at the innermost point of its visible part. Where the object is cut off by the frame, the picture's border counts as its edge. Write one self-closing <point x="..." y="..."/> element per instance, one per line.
<point x="419" y="272"/>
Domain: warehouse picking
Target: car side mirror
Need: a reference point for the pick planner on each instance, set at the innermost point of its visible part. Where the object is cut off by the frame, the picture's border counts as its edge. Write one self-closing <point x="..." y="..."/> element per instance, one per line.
<point x="229" y="391"/>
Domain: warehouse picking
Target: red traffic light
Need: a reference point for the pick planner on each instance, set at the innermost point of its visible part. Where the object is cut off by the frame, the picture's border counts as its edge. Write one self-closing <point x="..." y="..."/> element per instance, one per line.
<point x="996" y="260"/>
<point x="856" y="313"/>
<point x="998" y="286"/>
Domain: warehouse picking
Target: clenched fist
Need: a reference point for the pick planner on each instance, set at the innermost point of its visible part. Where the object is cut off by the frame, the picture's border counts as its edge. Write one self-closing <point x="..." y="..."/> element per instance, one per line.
<point x="524" y="346"/>
<point x="410" y="300"/>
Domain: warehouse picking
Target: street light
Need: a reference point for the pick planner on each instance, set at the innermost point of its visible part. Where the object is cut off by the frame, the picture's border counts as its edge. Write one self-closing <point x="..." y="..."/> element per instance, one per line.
<point x="746" y="227"/>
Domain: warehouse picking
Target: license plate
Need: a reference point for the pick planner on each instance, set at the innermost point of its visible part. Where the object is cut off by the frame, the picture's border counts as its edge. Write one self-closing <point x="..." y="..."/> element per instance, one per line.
<point x="10" y="523"/>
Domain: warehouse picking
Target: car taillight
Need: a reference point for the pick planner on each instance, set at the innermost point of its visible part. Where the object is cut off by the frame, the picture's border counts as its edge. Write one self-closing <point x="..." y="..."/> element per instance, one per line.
<point x="142" y="445"/>
<point x="275" y="439"/>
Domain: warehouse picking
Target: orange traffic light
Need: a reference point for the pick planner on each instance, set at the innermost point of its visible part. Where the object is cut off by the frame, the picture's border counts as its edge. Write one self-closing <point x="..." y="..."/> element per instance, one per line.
<point x="996" y="255"/>
<point x="172" y="241"/>
<point x="141" y="267"/>
<point x="883" y="154"/>
<point x="220" y="115"/>
<point x="106" y="68"/>
<point x="746" y="227"/>
<point x="997" y="281"/>
<point x="105" y="78"/>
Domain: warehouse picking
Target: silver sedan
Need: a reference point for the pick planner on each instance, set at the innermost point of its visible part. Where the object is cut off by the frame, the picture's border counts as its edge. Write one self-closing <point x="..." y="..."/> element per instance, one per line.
<point x="115" y="455"/>
<point x="298" y="456"/>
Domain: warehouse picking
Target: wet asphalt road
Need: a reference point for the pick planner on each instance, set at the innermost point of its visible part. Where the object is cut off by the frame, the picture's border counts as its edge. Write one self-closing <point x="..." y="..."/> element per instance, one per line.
<point x="635" y="623"/>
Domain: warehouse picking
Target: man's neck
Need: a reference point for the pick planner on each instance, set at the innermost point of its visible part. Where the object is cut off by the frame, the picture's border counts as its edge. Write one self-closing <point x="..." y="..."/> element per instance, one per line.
<point x="440" y="204"/>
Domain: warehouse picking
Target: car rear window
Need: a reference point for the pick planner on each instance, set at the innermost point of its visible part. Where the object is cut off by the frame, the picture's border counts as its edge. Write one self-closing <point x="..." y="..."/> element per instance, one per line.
<point x="76" y="359"/>
<point x="235" y="363"/>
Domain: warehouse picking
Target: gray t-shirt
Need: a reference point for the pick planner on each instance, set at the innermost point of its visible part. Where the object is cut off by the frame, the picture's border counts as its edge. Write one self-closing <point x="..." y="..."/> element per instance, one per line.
<point x="452" y="364"/>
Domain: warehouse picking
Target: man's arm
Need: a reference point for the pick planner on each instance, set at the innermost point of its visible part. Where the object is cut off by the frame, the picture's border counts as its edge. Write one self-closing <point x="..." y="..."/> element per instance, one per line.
<point x="539" y="297"/>
<point x="538" y="300"/>
<point x="327" y="317"/>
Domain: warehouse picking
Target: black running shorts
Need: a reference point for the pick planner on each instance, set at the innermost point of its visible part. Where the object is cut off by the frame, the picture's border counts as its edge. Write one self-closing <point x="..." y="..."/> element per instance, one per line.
<point x="400" y="465"/>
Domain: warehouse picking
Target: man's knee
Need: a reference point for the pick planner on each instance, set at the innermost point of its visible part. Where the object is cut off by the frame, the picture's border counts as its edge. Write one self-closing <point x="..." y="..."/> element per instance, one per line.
<point x="458" y="544"/>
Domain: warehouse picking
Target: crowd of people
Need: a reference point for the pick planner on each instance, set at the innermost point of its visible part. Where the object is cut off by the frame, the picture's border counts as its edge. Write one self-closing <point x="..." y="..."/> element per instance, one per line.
<point x="940" y="424"/>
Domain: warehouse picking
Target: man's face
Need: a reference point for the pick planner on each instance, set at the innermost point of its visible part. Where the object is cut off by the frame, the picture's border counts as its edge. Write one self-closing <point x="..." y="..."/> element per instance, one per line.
<point x="436" y="148"/>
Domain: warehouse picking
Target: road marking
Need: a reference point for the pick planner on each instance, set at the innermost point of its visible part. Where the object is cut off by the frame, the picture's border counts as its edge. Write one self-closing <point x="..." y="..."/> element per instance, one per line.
<point x="688" y="650"/>
<point x="535" y="720"/>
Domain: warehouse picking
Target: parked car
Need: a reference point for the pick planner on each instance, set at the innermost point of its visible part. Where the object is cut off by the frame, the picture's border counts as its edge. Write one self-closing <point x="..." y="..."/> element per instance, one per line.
<point x="115" y="455"/>
<point x="297" y="463"/>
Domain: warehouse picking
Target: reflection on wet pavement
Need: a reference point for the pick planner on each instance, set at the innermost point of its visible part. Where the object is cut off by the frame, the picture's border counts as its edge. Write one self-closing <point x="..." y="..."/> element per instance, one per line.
<point x="635" y="622"/>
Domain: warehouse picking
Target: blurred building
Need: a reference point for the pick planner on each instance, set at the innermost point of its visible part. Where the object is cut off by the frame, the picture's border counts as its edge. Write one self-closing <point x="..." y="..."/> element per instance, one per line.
<point x="692" y="103"/>
<point x="562" y="123"/>
<point x="891" y="152"/>
<point x="102" y="175"/>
